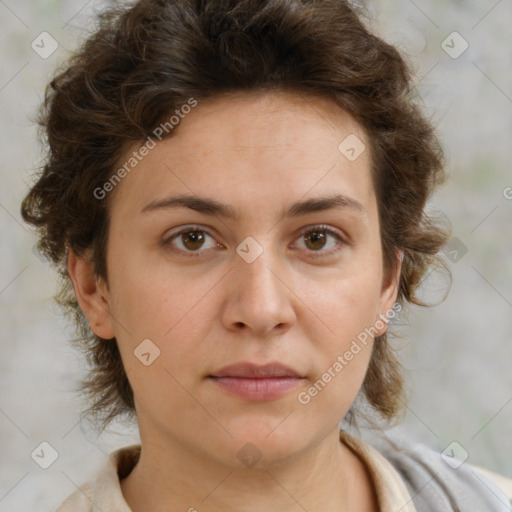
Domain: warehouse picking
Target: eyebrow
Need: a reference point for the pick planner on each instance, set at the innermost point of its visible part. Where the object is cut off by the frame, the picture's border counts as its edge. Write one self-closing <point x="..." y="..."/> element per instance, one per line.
<point x="215" y="208"/>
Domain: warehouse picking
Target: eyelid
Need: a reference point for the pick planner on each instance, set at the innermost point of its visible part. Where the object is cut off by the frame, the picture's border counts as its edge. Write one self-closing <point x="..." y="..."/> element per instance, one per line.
<point x="342" y="239"/>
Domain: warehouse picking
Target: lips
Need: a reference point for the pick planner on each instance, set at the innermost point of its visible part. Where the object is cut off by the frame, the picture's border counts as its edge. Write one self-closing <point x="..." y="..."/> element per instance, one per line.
<point x="253" y="371"/>
<point x="254" y="382"/>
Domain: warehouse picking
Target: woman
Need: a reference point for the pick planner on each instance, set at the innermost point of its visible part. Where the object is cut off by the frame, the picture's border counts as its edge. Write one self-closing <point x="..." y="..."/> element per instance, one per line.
<point x="234" y="195"/>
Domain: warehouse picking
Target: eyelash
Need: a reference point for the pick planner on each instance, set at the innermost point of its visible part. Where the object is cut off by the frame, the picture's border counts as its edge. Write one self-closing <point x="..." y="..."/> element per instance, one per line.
<point x="167" y="241"/>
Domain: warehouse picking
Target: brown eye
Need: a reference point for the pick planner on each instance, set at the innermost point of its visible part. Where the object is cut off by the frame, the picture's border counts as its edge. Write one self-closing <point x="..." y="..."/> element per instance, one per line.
<point x="316" y="239"/>
<point x="191" y="241"/>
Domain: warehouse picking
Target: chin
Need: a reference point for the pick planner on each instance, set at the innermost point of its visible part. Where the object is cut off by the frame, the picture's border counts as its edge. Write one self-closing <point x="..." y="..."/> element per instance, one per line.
<point x="262" y="445"/>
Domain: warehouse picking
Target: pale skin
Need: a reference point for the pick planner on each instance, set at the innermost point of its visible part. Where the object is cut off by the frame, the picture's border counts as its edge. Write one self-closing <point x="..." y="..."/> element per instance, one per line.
<point x="299" y="302"/>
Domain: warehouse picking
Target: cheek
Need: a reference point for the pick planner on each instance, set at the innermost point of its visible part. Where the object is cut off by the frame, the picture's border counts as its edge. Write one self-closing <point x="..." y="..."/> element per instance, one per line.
<point x="349" y="305"/>
<point x="165" y="317"/>
<point x="341" y="359"/>
<point x="159" y="391"/>
<point x="154" y="300"/>
<point x="347" y="312"/>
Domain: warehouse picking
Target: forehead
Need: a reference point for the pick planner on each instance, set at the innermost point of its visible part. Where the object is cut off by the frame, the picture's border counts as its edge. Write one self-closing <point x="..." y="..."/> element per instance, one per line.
<point x="270" y="120"/>
<point x="256" y="146"/>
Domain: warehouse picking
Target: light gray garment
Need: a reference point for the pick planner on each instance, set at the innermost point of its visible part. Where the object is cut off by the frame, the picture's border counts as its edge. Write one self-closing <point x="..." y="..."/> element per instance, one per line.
<point x="434" y="485"/>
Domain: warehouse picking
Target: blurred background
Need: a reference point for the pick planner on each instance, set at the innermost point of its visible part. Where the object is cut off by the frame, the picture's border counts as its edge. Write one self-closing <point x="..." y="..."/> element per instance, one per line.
<point x="457" y="355"/>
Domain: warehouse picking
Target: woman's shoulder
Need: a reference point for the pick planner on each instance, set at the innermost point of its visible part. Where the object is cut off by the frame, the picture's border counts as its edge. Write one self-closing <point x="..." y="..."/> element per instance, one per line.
<point x="103" y="492"/>
<point x="82" y="500"/>
<point x="503" y="482"/>
<point x="444" y="480"/>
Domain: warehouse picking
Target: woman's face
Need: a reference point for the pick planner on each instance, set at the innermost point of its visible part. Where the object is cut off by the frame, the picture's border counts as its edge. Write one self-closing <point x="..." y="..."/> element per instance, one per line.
<point x="279" y="279"/>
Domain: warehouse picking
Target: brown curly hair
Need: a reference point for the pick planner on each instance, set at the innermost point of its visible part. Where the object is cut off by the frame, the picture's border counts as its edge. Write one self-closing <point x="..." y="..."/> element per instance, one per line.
<point x="145" y="60"/>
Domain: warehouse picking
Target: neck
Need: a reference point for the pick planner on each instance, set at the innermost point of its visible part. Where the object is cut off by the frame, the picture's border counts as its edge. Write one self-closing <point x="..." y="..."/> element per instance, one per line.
<point x="171" y="477"/>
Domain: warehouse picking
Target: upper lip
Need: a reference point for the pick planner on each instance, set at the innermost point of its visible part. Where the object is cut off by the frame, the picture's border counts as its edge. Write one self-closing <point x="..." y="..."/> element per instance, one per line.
<point x="251" y="370"/>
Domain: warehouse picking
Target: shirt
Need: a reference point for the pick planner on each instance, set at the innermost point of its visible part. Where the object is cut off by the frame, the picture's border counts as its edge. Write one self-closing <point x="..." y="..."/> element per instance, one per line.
<point x="104" y="494"/>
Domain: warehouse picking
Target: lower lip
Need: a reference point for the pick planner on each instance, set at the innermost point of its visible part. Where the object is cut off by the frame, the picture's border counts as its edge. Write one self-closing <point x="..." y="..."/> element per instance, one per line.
<point x="257" y="389"/>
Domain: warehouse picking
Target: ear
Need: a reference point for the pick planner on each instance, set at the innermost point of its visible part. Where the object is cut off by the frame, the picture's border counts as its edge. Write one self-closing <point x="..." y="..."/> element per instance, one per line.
<point x="388" y="297"/>
<point x="91" y="293"/>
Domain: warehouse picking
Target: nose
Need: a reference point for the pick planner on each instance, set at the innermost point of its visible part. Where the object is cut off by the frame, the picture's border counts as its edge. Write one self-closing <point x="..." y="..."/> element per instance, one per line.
<point x="259" y="299"/>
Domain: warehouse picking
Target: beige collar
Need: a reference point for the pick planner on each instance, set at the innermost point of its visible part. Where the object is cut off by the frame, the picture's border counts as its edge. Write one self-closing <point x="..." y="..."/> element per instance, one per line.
<point x="392" y="494"/>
